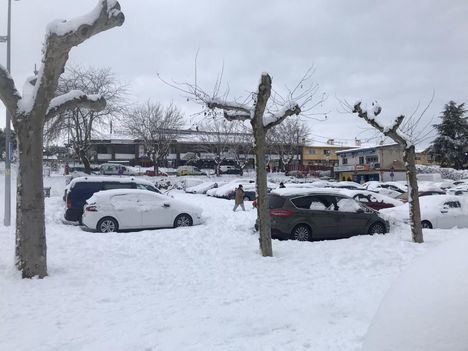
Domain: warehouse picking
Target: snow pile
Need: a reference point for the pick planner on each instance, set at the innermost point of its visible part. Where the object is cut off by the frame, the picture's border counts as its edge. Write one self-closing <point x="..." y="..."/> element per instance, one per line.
<point x="446" y="173"/>
<point x="427" y="307"/>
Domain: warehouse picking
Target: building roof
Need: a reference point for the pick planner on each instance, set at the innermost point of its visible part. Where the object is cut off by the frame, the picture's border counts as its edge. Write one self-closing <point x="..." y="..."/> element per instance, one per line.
<point x="364" y="148"/>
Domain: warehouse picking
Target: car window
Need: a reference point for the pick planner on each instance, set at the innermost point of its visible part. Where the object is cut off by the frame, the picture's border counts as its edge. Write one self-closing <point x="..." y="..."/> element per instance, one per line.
<point x="123" y="202"/>
<point x="118" y="185"/>
<point x="276" y="201"/>
<point x="87" y="186"/>
<point x="149" y="198"/>
<point x="362" y="198"/>
<point x="452" y="204"/>
<point x="313" y="203"/>
<point x="347" y="205"/>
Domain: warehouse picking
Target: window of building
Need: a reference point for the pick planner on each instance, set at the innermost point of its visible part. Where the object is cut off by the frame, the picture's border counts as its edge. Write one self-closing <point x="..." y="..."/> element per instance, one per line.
<point x="345" y="161"/>
<point x="311" y="151"/>
<point x="372" y="159"/>
<point x="361" y="160"/>
<point x="326" y="152"/>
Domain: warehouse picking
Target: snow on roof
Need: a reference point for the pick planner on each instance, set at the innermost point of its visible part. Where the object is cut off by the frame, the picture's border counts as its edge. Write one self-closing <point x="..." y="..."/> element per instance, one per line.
<point x="366" y="148"/>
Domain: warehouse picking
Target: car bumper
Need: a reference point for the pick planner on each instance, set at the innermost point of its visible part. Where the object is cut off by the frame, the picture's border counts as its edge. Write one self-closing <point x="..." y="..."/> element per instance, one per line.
<point x="73" y="214"/>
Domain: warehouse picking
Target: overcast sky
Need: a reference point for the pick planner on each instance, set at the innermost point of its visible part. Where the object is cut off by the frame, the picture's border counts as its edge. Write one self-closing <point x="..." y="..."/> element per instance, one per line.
<point x="396" y="52"/>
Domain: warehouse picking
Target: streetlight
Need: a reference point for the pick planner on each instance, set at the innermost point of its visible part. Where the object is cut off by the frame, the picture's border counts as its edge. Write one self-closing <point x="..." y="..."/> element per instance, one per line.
<point x="7" y="217"/>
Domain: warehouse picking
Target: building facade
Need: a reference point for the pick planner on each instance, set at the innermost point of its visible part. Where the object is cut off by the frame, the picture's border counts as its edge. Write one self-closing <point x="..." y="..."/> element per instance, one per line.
<point x="380" y="163"/>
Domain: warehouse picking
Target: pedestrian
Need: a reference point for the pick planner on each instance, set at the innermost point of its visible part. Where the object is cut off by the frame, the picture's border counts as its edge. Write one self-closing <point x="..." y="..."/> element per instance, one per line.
<point x="282" y="185"/>
<point x="239" y="198"/>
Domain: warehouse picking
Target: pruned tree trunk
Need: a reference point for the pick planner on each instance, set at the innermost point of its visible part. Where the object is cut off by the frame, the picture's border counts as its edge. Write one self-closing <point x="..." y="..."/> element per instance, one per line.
<point x="155" y="165"/>
<point x="29" y="113"/>
<point x="262" y="194"/>
<point x="31" y="247"/>
<point x="409" y="157"/>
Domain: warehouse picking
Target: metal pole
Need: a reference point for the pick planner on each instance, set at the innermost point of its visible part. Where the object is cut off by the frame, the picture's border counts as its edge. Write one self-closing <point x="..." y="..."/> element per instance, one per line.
<point x="7" y="216"/>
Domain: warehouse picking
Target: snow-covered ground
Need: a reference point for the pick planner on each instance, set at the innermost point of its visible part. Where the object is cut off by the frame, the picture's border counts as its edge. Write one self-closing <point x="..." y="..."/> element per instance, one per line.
<point x="199" y="288"/>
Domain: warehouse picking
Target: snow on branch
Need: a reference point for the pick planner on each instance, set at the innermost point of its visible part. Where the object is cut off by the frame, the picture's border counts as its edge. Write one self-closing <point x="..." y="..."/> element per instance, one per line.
<point x="61" y="37"/>
<point x="74" y="99"/>
<point x="228" y="106"/>
<point x="8" y="93"/>
<point x="391" y="131"/>
<point x="272" y="119"/>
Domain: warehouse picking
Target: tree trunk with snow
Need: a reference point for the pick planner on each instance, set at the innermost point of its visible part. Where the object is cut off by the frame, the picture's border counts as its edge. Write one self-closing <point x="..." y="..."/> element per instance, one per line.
<point x="261" y="122"/>
<point x="29" y="113"/>
<point x="409" y="157"/>
<point x="31" y="247"/>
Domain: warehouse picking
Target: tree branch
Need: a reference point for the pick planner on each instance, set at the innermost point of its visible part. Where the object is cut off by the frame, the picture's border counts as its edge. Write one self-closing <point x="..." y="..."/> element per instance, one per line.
<point x="391" y="131"/>
<point x="61" y="37"/>
<point x="236" y="116"/>
<point x="228" y="106"/>
<point x="8" y="93"/>
<point x="273" y="119"/>
<point x="74" y="99"/>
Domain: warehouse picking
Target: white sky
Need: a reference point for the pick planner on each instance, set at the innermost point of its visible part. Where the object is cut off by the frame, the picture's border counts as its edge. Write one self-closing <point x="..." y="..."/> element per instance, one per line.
<point x="396" y="52"/>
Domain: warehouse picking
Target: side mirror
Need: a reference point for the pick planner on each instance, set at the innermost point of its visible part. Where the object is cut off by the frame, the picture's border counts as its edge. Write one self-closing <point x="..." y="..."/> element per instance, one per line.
<point x="166" y="205"/>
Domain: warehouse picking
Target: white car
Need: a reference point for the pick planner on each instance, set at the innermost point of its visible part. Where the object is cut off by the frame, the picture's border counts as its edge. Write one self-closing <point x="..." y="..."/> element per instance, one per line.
<point x="121" y="209"/>
<point x="437" y="211"/>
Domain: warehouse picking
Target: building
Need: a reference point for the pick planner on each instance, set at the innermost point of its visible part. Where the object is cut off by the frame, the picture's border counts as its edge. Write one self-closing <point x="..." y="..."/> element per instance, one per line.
<point x="380" y="163"/>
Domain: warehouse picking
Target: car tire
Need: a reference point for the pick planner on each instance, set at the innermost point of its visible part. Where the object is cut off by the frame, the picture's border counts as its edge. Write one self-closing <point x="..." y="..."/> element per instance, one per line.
<point x="377" y="228"/>
<point x="426" y="225"/>
<point x="301" y="232"/>
<point x="183" y="220"/>
<point x="107" y="225"/>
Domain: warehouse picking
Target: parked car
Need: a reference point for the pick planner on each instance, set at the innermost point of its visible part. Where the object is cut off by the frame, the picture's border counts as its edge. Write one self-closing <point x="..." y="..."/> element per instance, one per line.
<point x="82" y="188"/>
<point x="392" y="189"/>
<point x="376" y="201"/>
<point x="122" y="209"/>
<point x="117" y="169"/>
<point x="404" y="197"/>
<point x="152" y="173"/>
<point x="189" y="170"/>
<point x="228" y="169"/>
<point x="461" y="189"/>
<point x="203" y="187"/>
<point x="319" y="215"/>
<point x="437" y="211"/>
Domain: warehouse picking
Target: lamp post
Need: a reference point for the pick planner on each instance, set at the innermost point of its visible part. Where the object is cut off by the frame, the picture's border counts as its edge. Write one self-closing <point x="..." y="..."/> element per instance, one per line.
<point x="7" y="216"/>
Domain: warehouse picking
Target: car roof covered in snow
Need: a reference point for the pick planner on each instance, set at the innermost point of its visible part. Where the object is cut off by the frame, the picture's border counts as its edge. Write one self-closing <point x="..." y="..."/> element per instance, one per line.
<point x="92" y="179"/>
<point x="105" y="194"/>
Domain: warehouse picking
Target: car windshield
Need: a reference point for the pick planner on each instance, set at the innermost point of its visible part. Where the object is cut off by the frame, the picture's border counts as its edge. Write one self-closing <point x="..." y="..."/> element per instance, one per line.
<point x="276" y="201"/>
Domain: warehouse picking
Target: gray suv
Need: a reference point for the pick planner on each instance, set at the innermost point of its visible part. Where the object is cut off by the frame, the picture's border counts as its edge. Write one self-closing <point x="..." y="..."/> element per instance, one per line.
<point x="321" y="215"/>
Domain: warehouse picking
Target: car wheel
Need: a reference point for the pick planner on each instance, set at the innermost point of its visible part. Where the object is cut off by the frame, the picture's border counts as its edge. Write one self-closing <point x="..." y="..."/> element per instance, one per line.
<point x="301" y="232"/>
<point x="426" y="224"/>
<point x="183" y="220"/>
<point x="377" y="228"/>
<point x="107" y="225"/>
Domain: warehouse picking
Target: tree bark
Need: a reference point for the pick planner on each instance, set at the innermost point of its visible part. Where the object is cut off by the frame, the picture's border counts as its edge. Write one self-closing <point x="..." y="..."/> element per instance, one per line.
<point x="262" y="194"/>
<point x="86" y="163"/>
<point x="155" y="165"/>
<point x="409" y="156"/>
<point x="31" y="248"/>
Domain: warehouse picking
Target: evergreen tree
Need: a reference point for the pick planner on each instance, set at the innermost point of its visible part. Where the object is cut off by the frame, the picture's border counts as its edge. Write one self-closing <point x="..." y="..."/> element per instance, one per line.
<point x="450" y="146"/>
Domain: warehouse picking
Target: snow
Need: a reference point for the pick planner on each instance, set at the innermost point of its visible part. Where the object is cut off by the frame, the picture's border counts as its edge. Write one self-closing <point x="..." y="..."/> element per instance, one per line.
<point x="270" y="117"/>
<point x="200" y="288"/>
<point x="62" y="27"/>
<point x="426" y="308"/>
<point x="71" y="95"/>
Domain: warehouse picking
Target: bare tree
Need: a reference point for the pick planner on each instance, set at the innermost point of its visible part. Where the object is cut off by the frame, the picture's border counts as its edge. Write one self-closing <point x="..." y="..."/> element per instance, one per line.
<point x="156" y="127"/>
<point x="79" y="124"/>
<point x="242" y="146"/>
<point x="286" y="139"/>
<point x="263" y="109"/>
<point x="395" y="132"/>
<point x="30" y="110"/>
<point x="217" y="138"/>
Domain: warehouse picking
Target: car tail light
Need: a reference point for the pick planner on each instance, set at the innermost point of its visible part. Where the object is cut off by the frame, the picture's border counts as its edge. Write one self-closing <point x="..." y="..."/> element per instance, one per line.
<point x="69" y="204"/>
<point x="281" y="213"/>
<point x="91" y="208"/>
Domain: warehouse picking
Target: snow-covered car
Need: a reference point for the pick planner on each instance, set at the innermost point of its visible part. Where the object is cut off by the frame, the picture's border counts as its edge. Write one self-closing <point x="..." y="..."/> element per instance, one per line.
<point x="346" y="185"/>
<point x="461" y="189"/>
<point x="392" y="189"/>
<point x="437" y="211"/>
<point x="203" y="187"/>
<point x="122" y="209"/>
<point x="404" y="197"/>
<point x="117" y="169"/>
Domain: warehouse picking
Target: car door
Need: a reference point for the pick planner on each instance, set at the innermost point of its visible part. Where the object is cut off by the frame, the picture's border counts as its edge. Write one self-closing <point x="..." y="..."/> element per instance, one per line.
<point x="451" y="215"/>
<point x="156" y="211"/>
<point x="354" y="219"/>
<point x="126" y="211"/>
